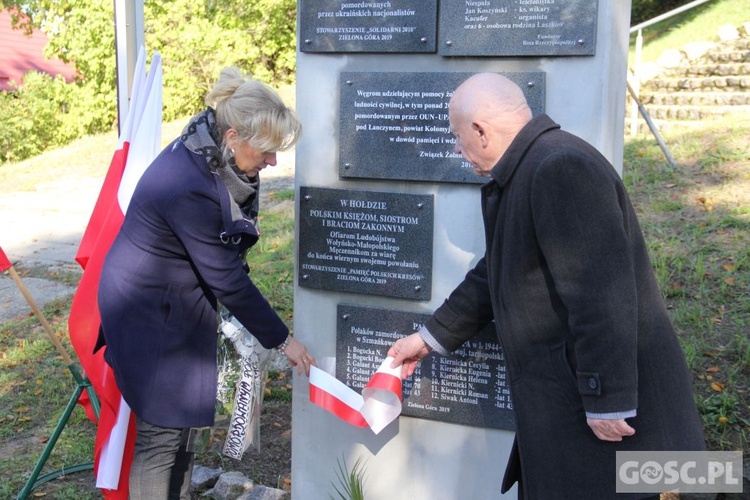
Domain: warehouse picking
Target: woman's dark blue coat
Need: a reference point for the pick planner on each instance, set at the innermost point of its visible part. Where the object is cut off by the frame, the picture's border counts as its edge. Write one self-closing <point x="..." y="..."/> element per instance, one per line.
<point x="177" y="253"/>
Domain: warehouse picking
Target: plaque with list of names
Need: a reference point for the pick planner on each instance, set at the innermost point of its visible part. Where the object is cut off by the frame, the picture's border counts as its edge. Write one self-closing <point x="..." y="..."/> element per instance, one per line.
<point x="368" y="26"/>
<point x="395" y="125"/>
<point x="518" y="28"/>
<point x="468" y="387"/>
<point x="366" y="242"/>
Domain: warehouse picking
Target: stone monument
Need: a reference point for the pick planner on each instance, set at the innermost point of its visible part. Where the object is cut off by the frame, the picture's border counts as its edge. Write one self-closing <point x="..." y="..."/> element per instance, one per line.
<point x="388" y="218"/>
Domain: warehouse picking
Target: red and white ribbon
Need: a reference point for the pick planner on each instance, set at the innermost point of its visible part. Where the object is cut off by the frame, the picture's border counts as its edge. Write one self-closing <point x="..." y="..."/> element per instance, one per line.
<point x="377" y="406"/>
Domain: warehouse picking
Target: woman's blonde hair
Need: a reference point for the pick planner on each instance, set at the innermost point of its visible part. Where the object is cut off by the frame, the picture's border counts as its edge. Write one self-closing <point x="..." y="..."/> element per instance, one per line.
<point x="254" y="110"/>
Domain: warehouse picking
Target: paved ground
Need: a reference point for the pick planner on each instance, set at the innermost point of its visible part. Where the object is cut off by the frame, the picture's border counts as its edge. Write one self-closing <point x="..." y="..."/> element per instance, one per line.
<point x="44" y="228"/>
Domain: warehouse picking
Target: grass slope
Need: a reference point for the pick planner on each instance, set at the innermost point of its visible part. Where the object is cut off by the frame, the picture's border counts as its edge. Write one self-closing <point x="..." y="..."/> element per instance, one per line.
<point x="698" y="24"/>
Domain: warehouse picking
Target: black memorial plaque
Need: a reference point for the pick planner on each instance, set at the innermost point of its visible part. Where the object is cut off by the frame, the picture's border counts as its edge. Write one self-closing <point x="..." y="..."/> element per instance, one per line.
<point x="468" y="387"/>
<point x="367" y="26"/>
<point x="366" y="242"/>
<point x="518" y="28"/>
<point x="395" y="125"/>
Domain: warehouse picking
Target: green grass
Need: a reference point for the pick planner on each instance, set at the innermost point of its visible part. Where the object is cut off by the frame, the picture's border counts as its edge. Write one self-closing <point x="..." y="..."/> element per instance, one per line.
<point x="698" y="24"/>
<point x="696" y="220"/>
<point x="35" y="387"/>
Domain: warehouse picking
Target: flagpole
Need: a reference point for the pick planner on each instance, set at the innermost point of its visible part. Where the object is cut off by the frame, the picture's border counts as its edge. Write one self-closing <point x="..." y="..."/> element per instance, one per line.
<point x="82" y="384"/>
<point x="81" y="380"/>
<point x="34" y="307"/>
<point x="129" y="37"/>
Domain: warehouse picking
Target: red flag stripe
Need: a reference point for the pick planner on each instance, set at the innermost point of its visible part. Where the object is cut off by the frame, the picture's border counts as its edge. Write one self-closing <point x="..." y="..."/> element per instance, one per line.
<point x="334" y="405"/>
<point x="4" y="262"/>
<point x="386" y="382"/>
<point x="103" y="207"/>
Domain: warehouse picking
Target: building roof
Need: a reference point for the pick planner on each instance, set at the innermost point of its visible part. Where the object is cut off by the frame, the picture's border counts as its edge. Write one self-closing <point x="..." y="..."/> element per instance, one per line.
<point x="20" y="53"/>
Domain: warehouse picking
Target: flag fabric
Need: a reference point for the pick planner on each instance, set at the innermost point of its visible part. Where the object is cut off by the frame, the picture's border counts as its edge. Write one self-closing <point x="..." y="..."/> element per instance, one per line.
<point x="138" y="145"/>
<point x="4" y="262"/>
<point x="377" y="406"/>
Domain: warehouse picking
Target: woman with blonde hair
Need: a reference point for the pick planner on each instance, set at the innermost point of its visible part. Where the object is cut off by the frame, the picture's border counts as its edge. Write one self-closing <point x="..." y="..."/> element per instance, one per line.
<point x="180" y="252"/>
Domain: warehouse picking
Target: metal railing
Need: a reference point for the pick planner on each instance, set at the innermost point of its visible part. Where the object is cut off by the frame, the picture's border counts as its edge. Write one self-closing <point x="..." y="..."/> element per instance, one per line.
<point x="635" y="81"/>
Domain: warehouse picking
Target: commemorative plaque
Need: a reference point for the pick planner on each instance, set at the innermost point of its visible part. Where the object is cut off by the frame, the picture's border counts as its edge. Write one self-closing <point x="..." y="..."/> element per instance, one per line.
<point x="368" y="26"/>
<point x="366" y="242"/>
<point x="395" y="125"/>
<point x="468" y="387"/>
<point x="518" y="28"/>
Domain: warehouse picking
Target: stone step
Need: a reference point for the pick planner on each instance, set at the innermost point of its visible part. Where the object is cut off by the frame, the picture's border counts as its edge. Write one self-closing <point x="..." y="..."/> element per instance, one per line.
<point x="697" y="98"/>
<point x="715" y="83"/>
<point x="726" y="56"/>
<point x="658" y="112"/>
<point x="714" y="69"/>
<point x="661" y="125"/>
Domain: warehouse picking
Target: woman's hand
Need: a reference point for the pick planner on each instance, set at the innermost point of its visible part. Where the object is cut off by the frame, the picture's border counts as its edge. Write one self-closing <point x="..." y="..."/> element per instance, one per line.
<point x="298" y="356"/>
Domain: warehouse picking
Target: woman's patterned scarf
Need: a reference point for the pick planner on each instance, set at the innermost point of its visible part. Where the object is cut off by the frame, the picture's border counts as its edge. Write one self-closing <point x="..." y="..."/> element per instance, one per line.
<point x="201" y="137"/>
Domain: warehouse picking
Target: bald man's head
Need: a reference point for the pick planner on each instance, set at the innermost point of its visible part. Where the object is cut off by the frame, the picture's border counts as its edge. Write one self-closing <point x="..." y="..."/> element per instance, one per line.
<point x="486" y="112"/>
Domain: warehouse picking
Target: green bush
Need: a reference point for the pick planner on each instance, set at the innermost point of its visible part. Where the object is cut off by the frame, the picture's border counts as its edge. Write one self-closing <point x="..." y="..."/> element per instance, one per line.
<point x="36" y="116"/>
<point x="196" y="40"/>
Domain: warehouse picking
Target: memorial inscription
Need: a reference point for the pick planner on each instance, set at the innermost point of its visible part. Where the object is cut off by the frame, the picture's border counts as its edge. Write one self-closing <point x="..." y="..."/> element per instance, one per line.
<point x="518" y="28"/>
<point x="395" y="125"/>
<point x="468" y="387"/>
<point x="366" y="242"/>
<point x="371" y="26"/>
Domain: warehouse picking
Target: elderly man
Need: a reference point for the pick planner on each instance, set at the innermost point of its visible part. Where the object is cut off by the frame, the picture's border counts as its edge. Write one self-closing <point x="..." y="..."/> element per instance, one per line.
<point x="594" y="364"/>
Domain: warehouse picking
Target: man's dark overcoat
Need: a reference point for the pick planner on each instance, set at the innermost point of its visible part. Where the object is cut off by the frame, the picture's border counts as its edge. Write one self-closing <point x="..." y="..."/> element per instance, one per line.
<point x="178" y="251"/>
<point x="567" y="278"/>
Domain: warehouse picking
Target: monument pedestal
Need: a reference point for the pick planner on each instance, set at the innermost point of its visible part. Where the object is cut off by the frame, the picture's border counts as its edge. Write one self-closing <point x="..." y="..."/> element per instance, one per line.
<point x="373" y="82"/>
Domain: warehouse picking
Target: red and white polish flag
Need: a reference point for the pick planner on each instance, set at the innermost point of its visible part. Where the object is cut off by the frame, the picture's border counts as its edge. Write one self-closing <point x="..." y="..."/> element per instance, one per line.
<point x="377" y="406"/>
<point x="139" y="143"/>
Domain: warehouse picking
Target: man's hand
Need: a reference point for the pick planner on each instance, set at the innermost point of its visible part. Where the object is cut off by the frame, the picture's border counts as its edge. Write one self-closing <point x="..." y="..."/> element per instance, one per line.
<point x="610" y="430"/>
<point x="408" y="350"/>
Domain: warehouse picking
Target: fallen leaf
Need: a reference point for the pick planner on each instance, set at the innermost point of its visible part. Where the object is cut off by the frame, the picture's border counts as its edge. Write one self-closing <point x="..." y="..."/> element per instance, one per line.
<point x="670" y="186"/>
<point x="723" y="420"/>
<point x="717" y="386"/>
<point x="729" y="280"/>
<point x="712" y="369"/>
